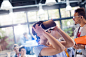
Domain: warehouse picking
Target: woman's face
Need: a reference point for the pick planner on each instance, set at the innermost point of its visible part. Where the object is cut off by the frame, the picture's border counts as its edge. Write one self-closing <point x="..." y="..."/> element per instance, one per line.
<point x="51" y="31"/>
<point x="23" y="51"/>
<point x="16" y="49"/>
<point x="54" y="33"/>
<point x="42" y="37"/>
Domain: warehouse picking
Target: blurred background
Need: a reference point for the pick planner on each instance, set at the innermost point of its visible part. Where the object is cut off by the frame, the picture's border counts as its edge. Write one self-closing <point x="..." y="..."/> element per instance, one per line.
<point x="19" y="19"/>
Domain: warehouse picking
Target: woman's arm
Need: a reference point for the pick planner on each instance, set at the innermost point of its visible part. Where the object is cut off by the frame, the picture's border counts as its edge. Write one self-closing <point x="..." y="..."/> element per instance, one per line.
<point x="68" y="41"/>
<point x="56" y="47"/>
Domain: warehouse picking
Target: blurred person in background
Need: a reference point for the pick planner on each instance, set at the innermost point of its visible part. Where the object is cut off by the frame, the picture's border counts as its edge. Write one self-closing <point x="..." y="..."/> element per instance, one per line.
<point x="26" y="37"/>
<point x="16" y="49"/>
<point x="22" y="51"/>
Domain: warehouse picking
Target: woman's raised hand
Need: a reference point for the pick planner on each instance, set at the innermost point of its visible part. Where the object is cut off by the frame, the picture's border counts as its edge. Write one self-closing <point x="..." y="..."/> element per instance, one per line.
<point x="39" y="30"/>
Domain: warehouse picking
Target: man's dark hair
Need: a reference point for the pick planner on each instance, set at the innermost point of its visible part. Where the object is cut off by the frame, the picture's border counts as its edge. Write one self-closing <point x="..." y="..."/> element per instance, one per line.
<point x="23" y="47"/>
<point x="81" y="12"/>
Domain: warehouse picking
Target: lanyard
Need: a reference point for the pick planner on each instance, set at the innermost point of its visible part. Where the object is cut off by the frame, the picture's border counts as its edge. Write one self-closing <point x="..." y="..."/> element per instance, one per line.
<point x="78" y="33"/>
<point x="18" y="54"/>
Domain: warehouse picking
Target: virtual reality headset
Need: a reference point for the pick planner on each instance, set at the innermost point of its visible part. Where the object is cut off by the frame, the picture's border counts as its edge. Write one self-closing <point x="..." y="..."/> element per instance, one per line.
<point x="50" y="24"/>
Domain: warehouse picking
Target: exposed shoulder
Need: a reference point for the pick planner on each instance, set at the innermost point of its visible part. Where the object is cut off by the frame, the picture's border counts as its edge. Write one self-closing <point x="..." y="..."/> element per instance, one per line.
<point x="37" y="49"/>
<point x="40" y="46"/>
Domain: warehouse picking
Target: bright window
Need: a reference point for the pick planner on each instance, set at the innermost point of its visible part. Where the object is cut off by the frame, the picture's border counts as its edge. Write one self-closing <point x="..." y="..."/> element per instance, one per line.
<point x="19" y="17"/>
<point x="53" y="14"/>
<point x="32" y="16"/>
<point x="57" y="23"/>
<point x="68" y="27"/>
<point x="19" y="30"/>
<point x="5" y="20"/>
<point x="6" y="38"/>
<point x="73" y="9"/>
<point x="43" y="16"/>
<point x="64" y="13"/>
<point x="12" y="18"/>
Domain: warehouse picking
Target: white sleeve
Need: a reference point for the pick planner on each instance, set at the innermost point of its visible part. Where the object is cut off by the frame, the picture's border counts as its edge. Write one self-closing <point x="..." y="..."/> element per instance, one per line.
<point x="85" y="47"/>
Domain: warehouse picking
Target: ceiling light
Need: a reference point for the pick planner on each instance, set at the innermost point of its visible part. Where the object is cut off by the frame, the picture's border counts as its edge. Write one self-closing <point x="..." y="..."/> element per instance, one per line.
<point x="61" y="0"/>
<point x="68" y="7"/>
<point x="50" y="2"/>
<point x="6" y="5"/>
<point x="41" y="11"/>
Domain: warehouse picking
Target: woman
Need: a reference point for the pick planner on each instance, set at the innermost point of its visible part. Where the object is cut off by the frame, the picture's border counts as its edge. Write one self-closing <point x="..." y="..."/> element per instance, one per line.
<point x="22" y="51"/>
<point x="49" y="45"/>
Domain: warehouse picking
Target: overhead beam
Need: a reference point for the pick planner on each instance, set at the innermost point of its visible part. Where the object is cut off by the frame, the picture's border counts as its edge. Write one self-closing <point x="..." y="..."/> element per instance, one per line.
<point x="36" y="7"/>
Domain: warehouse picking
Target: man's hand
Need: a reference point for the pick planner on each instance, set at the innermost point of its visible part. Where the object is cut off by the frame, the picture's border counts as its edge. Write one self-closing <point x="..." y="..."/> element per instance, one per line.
<point x="79" y="46"/>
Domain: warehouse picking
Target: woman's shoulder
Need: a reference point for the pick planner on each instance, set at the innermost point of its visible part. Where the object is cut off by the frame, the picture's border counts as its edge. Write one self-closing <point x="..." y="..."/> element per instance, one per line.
<point x="37" y="49"/>
<point x="39" y="46"/>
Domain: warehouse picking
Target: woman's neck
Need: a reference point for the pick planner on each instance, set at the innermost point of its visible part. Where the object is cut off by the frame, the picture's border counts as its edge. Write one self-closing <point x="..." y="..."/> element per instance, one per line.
<point x="57" y="36"/>
<point x="23" y="56"/>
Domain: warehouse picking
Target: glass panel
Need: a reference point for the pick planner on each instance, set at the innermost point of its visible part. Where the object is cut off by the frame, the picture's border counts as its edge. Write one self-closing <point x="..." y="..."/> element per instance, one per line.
<point x="32" y="16"/>
<point x="6" y="39"/>
<point x="33" y="37"/>
<point x="12" y="18"/>
<point x="64" y="13"/>
<point x="5" y="20"/>
<point x="31" y="28"/>
<point x="43" y="16"/>
<point x="57" y="23"/>
<point x="67" y="23"/>
<point x="19" y="17"/>
<point x="19" y="30"/>
<point x="68" y="27"/>
<point x="73" y="9"/>
<point x="23" y="37"/>
<point x="53" y="14"/>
